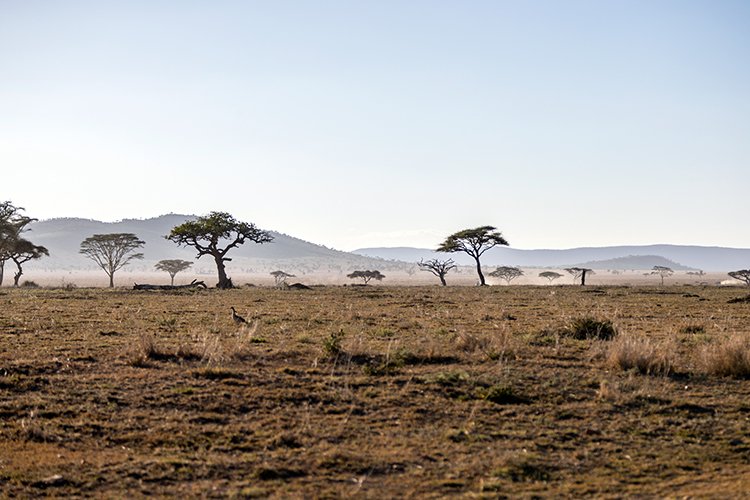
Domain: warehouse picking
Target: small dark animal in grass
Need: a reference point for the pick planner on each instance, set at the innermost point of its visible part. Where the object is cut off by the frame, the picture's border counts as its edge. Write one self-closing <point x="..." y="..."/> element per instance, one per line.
<point x="237" y="318"/>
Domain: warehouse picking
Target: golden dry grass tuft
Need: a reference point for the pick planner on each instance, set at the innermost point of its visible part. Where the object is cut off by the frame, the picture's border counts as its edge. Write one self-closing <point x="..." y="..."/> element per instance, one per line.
<point x="639" y="353"/>
<point x="729" y="357"/>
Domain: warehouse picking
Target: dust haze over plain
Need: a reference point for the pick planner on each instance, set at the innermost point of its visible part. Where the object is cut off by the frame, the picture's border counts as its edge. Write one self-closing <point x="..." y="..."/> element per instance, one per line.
<point x="377" y="124"/>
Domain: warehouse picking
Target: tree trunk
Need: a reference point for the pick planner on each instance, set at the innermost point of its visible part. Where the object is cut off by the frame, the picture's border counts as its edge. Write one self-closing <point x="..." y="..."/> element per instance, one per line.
<point x="17" y="276"/>
<point x="442" y="280"/>
<point x="479" y="272"/>
<point x="2" y="271"/>
<point x="172" y="276"/>
<point x="112" y="280"/>
<point x="583" y="278"/>
<point x="224" y="282"/>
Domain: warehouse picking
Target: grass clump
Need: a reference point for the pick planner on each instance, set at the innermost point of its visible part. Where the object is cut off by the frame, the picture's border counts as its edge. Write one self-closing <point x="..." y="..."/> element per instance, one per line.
<point x="728" y="358"/>
<point x="501" y="394"/>
<point x="588" y="328"/>
<point x="524" y="468"/>
<point x="641" y="355"/>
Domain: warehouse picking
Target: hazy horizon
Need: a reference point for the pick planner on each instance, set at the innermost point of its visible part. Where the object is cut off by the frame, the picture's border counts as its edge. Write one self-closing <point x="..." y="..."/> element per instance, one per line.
<point x="354" y="125"/>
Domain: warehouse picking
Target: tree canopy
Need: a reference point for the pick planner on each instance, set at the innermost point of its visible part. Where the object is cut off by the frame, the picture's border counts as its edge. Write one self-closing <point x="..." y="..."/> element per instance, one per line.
<point x="366" y="276"/>
<point x="216" y="234"/>
<point x="280" y="277"/>
<point x="662" y="271"/>
<point x="474" y="242"/>
<point x="437" y="267"/>
<point x="507" y="273"/>
<point x="550" y="276"/>
<point x="579" y="272"/>
<point x="173" y="266"/>
<point x="112" y="251"/>
<point x="12" y="245"/>
<point x="741" y="275"/>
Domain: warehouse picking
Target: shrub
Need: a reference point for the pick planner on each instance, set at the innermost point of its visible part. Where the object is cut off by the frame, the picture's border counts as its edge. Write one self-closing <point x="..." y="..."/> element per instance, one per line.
<point x="728" y="358"/>
<point x="502" y="394"/>
<point x="332" y="345"/>
<point x="641" y="355"/>
<point x="588" y="327"/>
<point x="29" y="284"/>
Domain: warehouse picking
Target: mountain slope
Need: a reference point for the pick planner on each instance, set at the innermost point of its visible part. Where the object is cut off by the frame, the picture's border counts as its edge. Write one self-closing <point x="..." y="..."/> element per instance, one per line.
<point x="63" y="237"/>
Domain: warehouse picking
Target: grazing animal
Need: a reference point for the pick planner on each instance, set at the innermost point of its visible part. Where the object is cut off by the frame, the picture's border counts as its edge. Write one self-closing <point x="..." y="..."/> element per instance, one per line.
<point x="237" y="318"/>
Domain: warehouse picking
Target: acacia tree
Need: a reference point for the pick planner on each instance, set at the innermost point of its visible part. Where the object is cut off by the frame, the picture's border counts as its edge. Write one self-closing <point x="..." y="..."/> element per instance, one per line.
<point x="579" y="272"/>
<point x="280" y="277"/>
<point x="12" y="245"/>
<point x="216" y="234"/>
<point x="742" y="275"/>
<point x="550" y="276"/>
<point x="507" y="273"/>
<point x="173" y="266"/>
<point x="474" y="242"/>
<point x="24" y="251"/>
<point x="437" y="267"/>
<point x="662" y="271"/>
<point x="366" y="276"/>
<point x="112" y="251"/>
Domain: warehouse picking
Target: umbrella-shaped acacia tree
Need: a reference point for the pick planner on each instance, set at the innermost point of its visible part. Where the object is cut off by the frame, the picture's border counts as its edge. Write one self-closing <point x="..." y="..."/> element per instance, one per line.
<point x="216" y="234"/>
<point x="473" y="242"/>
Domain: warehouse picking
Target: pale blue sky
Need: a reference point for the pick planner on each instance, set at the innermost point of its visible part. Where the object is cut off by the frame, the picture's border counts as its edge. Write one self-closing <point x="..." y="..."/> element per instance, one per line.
<point x="385" y="123"/>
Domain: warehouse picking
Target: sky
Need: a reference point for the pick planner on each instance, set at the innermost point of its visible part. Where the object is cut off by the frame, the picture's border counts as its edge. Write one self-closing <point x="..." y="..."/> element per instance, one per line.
<point x="360" y="123"/>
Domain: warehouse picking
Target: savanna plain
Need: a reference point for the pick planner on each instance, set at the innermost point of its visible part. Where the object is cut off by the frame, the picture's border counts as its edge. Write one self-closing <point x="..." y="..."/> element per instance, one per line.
<point x="376" y="391"/>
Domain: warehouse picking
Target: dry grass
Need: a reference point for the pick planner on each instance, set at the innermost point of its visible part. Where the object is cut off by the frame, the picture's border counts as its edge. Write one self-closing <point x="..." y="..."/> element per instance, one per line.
<point x="729" y="357"/>
<point x="645" y="356"/>
<point x="374" y="392"/>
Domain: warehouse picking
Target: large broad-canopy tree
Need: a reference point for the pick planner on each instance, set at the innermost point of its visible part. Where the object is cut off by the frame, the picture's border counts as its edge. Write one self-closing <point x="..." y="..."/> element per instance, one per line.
<point x="172" y="266"/>
<point x="112" y="251"/>
<point x="216" y="234"/>
<point x="12" y="245"/>
<point x="437" y="267"/>
<point x="474" y="242"/>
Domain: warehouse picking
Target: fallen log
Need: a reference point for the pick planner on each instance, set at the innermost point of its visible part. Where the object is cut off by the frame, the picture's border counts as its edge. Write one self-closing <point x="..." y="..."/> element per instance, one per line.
<point x="193" y="284"/>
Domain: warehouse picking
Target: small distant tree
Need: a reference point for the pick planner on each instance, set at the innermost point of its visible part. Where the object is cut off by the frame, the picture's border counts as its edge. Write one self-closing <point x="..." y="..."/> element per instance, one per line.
<point x="474" y="242"/>
<point x="112" y="251"/>
<point x="507" y="273"/>
<point x="366" y="276"/>
<point x="173" y="266"/>
<point x="22" y="252"/>
<point x="742" y="275"/>
<point x="207" y="233"/>
<point x="437" y="267"/>
<point x="280" y="277"/>
<point x="663" y="272"/>
<point x="579" y="272"/>
<point x="550" y="276"/>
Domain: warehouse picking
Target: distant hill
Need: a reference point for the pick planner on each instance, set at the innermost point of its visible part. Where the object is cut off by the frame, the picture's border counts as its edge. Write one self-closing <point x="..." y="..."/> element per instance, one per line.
<point x="63" y="238"/>
<point x="634" y="262"/>
<point x="693" y="257"/>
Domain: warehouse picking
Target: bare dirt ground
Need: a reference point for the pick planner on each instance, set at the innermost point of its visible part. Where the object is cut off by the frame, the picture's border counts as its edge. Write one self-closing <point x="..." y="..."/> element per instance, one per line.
<point x="374" y="392"/>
